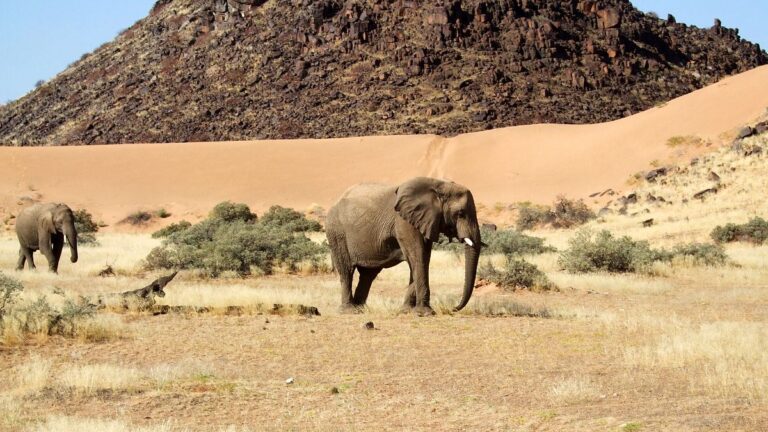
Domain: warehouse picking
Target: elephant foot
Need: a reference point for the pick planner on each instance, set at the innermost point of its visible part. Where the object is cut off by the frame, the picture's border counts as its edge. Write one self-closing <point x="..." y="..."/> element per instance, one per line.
<point x="421" y="311"/>
<point x="350" y="308"/>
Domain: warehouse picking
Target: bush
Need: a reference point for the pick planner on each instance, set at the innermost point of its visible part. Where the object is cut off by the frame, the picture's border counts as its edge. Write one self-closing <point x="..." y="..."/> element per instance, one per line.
<point x="171" y="229"/>
<point x="530" y="216"/>
<point x="232" y="239"/>
<point x="564" y="213"/>
<point x="755" y="231"/>
<point x="229" y="212"/>
<point x="602" y="252"/>
<point x="42" y="318"/>
<point x="10" y="289"/>
<point x="139" y="217"/>
<point x="162" y="213"/>
<point x="699" y="253"/>
<point x="86" y="227"/>
<point x="517" y="274"/>
<point x="507" y="242"/>
<point x="290" y="219"/>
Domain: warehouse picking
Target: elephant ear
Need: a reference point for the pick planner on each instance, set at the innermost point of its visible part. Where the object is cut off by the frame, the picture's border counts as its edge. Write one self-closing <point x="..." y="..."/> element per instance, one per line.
<point x="419" y="204"/>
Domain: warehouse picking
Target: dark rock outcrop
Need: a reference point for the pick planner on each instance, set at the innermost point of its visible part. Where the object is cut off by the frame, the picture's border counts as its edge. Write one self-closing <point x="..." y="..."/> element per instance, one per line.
<point x="204" y="70"/>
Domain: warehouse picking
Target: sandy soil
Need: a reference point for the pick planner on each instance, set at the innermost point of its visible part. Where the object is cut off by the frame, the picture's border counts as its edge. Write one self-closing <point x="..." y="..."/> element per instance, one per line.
<point x="533" y="163"/>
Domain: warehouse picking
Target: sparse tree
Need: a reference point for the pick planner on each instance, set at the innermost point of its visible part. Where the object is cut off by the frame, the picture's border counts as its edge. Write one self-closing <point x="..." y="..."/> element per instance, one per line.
<point x="39" y="83"/>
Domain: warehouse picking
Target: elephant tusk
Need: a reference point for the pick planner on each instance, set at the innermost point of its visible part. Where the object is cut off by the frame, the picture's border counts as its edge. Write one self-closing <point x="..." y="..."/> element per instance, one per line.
<point x="469" y="242"/>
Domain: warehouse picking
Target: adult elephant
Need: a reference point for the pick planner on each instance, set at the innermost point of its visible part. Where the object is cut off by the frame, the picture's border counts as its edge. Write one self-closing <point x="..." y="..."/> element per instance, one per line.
<point x="373" y="227"/>
<point x="43" y="227"/>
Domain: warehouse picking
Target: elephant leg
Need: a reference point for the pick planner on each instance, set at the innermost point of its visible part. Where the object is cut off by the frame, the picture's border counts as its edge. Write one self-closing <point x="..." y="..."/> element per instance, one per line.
<point x="58" y="244"/>
<point x="28" y="257"/>
<point x="418" y="295"/>
<point x="22" y="259"/>
<point x="410" y="296"/>
<point x="367" y="275"/>
<point x="342" y="264"/>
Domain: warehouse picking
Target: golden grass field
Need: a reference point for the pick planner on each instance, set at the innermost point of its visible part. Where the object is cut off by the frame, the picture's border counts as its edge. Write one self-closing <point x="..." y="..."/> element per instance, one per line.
<point x="685" y="349"/>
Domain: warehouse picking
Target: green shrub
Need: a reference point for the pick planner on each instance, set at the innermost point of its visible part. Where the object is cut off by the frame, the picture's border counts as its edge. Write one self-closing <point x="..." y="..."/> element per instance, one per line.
<point x="162" y="213"/>
<point x="602" y="252"/>
<point x="232" y="239"/>
<point x="569" y="213"/>
<point x="290" y="219"/>
<point x="755" y="231"/>
<point x="564" y="213"/>
<point x="530" y="216"/>
<point x="507" y="242"/>
<point x="86" y="227"/>
<point x="588" y="252"/>
<point x="699" y="253"/>
<point x="10" y="289"/>
<point x="517" y="274"/>
<point x="171" y="229"/>
<point x="228" y="211"/>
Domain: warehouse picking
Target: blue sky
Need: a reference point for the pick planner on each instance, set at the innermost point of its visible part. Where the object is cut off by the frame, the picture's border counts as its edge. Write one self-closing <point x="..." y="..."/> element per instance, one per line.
<point x="39" y="38"/>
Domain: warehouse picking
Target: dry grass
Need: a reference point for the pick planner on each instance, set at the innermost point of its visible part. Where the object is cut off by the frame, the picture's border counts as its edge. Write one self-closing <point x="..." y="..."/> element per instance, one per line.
<point x="73" y="424"/>
<point x="722" y="358"/>
<point x="101" y="328"/>
<point x="33" y="374"/>
<point x="89" y="379"/>
<point x="574" y="390"/>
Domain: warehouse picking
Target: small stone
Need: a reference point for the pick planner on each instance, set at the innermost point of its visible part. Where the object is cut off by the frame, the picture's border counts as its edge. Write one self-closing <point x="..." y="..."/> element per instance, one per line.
<point x="369" y="326"/>
<point x="335" y="390"/>
<point x="289" y="380"/>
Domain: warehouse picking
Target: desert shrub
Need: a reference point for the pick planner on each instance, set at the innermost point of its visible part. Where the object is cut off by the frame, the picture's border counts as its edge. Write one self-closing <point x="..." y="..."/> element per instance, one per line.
<point x="700" y="253"/>
<point x="162" y="213"/>
<point x="233" y="240"/>
<point x="73" y="318"/>
<point x="137" y="218"/>
<point x="10" y="289"/>
<point x="517" y="274"/>
<point x="588" y="252"/>
<point x="228" y="211"/>
<point x="755" y="231"/>
<point x="530" y="216"/>
<point x="171" y="229"/>
<point x="86" y="227"/>
<point x="507" y="242"/>
<point x="564" y="213"/>
<point x="569" y="213"/>
<point x="290" y="219"/>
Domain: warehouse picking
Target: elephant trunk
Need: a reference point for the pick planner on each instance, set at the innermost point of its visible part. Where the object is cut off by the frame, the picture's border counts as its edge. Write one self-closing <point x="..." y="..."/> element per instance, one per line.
<point x="473" y="243"/>
<point x="71" y="233"/>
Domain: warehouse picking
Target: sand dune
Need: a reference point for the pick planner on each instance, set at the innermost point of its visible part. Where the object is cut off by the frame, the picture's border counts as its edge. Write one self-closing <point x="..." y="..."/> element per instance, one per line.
<point x="533" y="163"/>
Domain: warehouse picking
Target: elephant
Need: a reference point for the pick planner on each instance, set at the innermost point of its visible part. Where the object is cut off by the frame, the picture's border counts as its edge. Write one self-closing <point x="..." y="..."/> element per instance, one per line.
<point x="43" y="226"/>
<point x="374" y="226"/>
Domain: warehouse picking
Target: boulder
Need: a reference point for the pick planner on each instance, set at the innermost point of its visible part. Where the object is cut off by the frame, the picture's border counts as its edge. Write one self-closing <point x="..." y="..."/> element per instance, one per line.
<point x="608" y="18"/>
<point x="745" y="132"/>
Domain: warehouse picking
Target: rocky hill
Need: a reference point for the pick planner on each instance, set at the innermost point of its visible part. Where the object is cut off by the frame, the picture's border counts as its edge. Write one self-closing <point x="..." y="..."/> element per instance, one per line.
<point x="212" y="70"/>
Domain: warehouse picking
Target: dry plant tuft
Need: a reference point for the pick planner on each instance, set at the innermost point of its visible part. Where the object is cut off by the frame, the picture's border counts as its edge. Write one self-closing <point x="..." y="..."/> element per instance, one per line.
<point x="33" y="374"/>
<point x="574" y="390"/>
<point x="101" y="328"/>
<point x="724" y="358"/>
<point x="89" y="379"/>
<point x="67" y="424"/>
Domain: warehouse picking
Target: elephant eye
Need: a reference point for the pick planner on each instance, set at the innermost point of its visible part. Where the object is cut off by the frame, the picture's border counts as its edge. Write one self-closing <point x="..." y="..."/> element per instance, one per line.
<point x="460" y="214"/>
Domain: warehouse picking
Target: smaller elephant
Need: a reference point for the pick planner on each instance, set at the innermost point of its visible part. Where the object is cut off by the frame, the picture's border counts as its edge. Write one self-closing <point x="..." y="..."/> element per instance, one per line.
<point x="43" y="227"/>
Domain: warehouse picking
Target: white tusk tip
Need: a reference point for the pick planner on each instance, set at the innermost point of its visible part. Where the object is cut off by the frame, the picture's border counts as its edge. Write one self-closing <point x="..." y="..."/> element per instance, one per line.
<point x="469" y="242"/>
